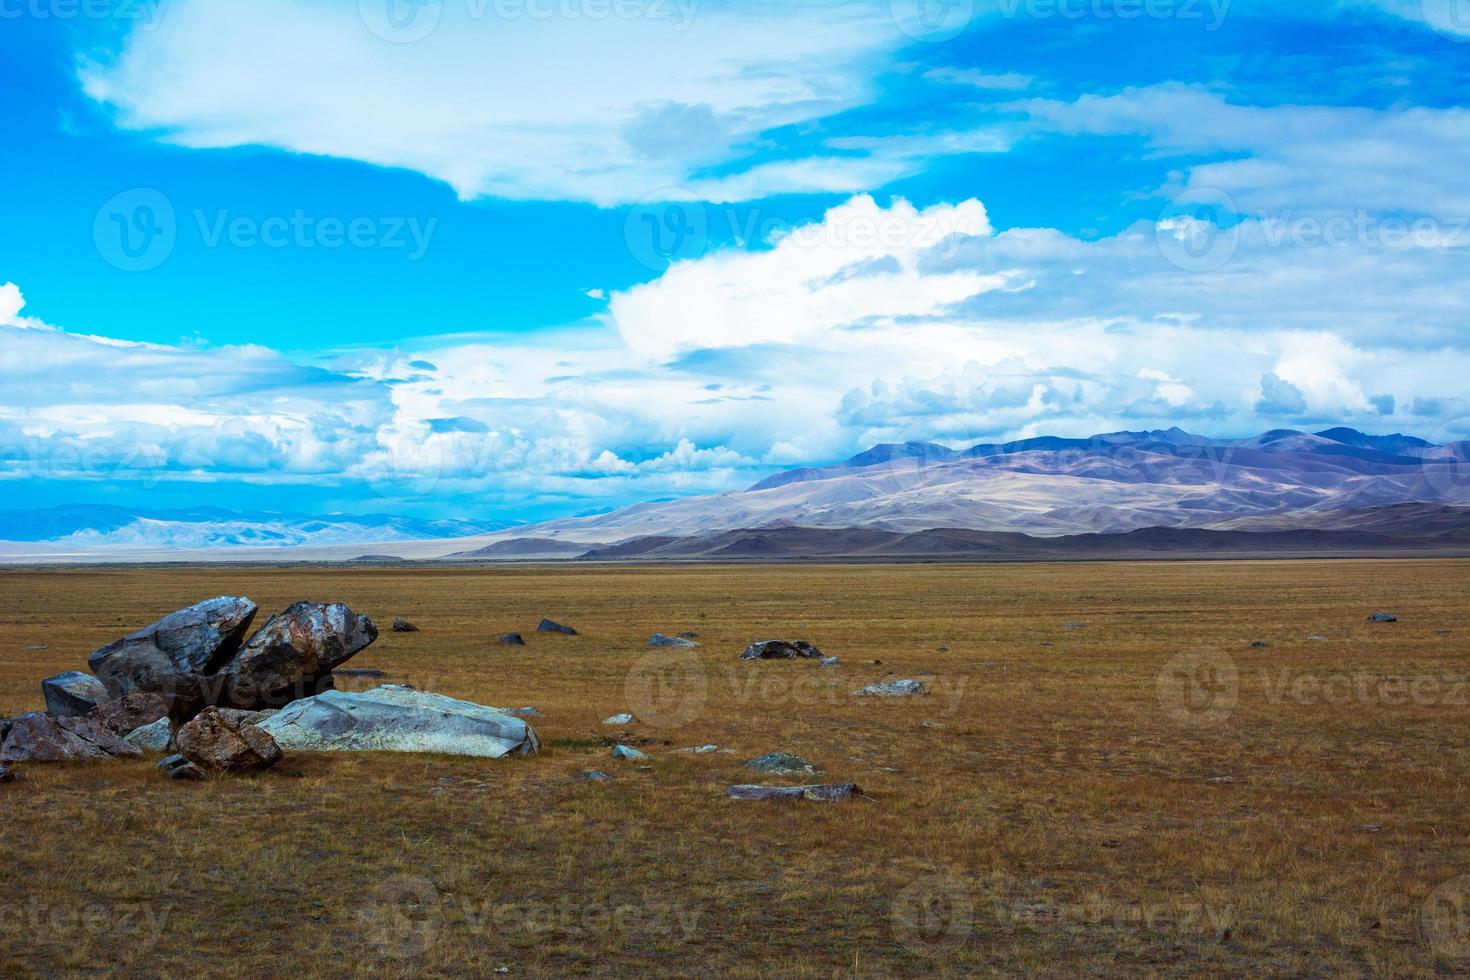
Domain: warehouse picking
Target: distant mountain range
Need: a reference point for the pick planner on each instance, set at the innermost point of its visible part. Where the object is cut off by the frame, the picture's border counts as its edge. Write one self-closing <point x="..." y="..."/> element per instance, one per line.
<point x="1126" y="492"/>
<point x="1053" y="487"/>
<point x="107" y="527"/>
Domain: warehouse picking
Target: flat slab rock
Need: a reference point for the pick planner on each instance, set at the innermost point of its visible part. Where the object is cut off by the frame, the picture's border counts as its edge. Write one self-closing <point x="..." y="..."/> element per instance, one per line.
<point x="393" y="718"/>
<point x="781" y="763"/>
<point x="781" y="650"/>
<point x="660" y="640"/>
<point x="39" y="737"/>
<point x="832" y="793"/>
<point x="73" y="694"/>
<point x="892" y="689"/>
<point x="1383" y="617"/>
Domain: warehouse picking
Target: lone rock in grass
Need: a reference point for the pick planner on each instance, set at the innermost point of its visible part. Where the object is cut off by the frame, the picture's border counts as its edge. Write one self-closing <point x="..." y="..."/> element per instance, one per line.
<point x="628" y="752"/>
<point x="169" y="657"/>
<point x="660" y="640"/>
<point x="892" y="689"/>
<point x="834" y="793"/>
<point x="551" y="626"/>
<point x="38" y="737"/>
<point x="72" y="694"/>
<point x="781" y="763"/>
<point x="294" y="653"/>
<point x="622" y="719"/>
<point x="393" y="718"/>
<point x="404" y="626"/>
<point x="1383" y="617"/>
<point x="177" y="767"/>
<point x="781" y="650"/>
<point x="225" y="741"/>
<point x="512" y="639"/>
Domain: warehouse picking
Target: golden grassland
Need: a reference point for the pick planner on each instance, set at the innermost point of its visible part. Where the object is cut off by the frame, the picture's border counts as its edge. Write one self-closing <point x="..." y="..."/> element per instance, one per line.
<point x="1148" y="795"/>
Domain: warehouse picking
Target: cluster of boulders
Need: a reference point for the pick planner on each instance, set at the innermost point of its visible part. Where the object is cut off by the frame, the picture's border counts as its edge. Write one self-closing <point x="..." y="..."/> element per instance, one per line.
<point x="197" y="681"/>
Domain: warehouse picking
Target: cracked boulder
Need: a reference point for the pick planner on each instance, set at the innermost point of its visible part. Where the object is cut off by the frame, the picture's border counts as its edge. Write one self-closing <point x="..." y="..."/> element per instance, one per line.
<point x="293" y="655"/>
<point x="171" y="656"/>
<point x="38" y="737"/>
<point x="222" y="740"/>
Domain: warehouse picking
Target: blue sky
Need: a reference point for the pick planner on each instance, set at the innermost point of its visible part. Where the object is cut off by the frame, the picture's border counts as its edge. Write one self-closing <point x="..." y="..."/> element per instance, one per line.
<point x="521" y="258"/>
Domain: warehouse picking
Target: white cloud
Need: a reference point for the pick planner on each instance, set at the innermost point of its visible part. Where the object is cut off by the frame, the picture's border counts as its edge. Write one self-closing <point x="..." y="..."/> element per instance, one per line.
<point x="507" y="99"/>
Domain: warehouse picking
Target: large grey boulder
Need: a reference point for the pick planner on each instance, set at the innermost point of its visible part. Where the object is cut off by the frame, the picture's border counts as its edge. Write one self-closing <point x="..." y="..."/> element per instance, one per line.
<point x="170" y="656"/>
<point x="781" y="650"/>
<point x="72" y="694"/>
<point x="399" y="719"/>
<point x="293" y="655"/>
<point x="38" y="737"/>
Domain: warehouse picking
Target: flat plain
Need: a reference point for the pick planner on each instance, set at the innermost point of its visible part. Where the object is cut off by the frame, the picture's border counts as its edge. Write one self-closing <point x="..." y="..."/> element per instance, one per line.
<point x="1167" y="768"/>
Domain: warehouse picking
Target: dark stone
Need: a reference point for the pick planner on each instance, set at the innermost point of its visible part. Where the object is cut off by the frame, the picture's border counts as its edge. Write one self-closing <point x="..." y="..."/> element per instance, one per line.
<point x="512" y="639"/>
<point x="1383" y="617"/>
<point x="221" y="740"/>
<point x="6" y="775"/>
<point x="660" y="640"/>
<point x="835" y="793"/>
<point x="1259" y="644"/>
<point x="130" y="712"/>
<point x="72" y="694"/>
<point x="549" y="626"/>
<point x="404" y="626"/>
<point x="293" y="655"/>
<point x="781" y="650"/>
<point x="688" y="635"/>
<point x="171" y="656"/>
<point x="595" y="776"/>
<point x="177" y="767"/>
<point x="38" y="737"/>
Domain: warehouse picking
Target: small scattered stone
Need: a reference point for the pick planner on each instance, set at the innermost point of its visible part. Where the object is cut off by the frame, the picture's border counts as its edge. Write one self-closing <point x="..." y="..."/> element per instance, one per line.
<point x="551" y="626"/>
<point x="177" y="767"/>
<point x="1371" y="828"/>
<point x="781" y="763"/>
<point x="836" y="793"/>
<point x="622" y="719"/>
<point x="596" y="776"/>
<point x="6" y="775"/>
<point x="892" y="689"/>
<point x="828" y="662"/>
<point x="526" y="712"/>
<point x="781" y="650"/>
<point x="628" y="752"/>
<point x="926" y="723"/>
<point x="37" y="646"/>
<point x="1259" y="644"/>
<point x="512" y="640"/>
<point x="660" y="640"/>
<point x="1074" y="625"/>
<point x="1317" y="639"/>
<point x="404" y="626"/>
<point x="1383" y="617"/>
<point x="704" y="750"/>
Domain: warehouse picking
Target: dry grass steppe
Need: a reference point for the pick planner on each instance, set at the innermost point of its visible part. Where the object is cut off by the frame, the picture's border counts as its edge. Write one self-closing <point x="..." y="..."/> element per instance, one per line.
<point x="1148" y="794"/>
